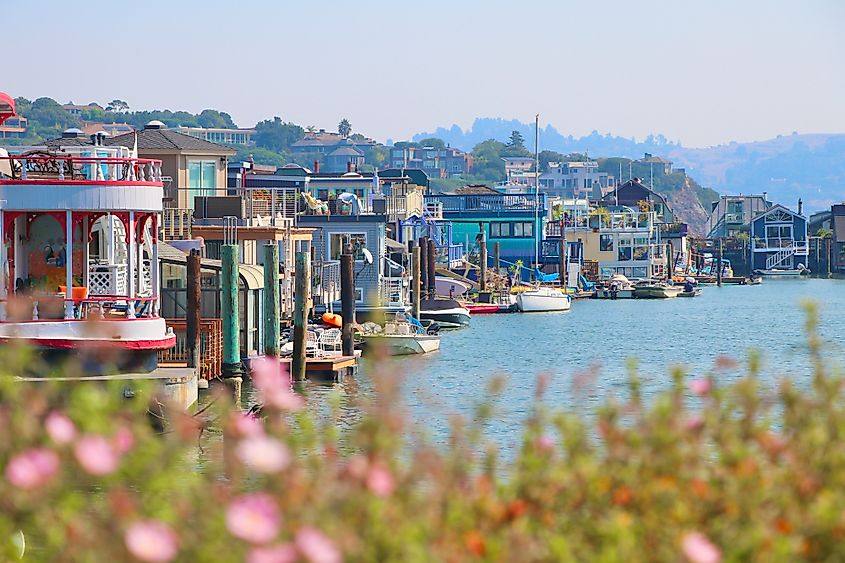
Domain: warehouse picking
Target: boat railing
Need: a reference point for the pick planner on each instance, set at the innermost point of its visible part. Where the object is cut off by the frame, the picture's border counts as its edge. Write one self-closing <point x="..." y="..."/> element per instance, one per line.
<point x="42" y="166"/>
<point x="392" y="291"/>
<point x="486" y="202"/>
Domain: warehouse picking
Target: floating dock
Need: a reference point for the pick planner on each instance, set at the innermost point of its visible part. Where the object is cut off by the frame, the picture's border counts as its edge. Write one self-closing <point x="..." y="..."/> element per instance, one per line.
<point x="331" y="367"/>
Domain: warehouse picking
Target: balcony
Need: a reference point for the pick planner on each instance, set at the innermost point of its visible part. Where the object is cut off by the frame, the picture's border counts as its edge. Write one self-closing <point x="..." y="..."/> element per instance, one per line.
<point x="674" y="229"/>
<point x="735" y="218"/>
<point x="486" y="203"/>
<point x="325" y="282"/>
<point x="392" y="291"/>
<point x="43" y="167"/>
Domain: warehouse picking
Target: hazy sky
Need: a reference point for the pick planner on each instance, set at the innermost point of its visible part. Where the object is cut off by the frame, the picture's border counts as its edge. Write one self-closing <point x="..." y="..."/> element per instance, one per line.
<point x="704" y="72"/>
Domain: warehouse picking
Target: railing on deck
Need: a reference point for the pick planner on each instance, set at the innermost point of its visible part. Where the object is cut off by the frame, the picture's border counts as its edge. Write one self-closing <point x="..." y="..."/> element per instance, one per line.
<point x="176" y="223"/>
<point x="211" y="346"/>
<point x="43" y="166"/>
<point x="392" y="291"/>
<point x="325" y="282"/>
<point x="483" y="203"/>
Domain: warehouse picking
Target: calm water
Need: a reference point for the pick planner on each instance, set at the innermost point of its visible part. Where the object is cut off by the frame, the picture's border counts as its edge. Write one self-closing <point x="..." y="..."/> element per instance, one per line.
<point x="586" y="351"/>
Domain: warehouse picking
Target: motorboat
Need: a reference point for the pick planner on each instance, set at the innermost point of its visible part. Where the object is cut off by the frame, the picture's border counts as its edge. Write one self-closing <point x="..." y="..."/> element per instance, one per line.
<point x="656" y="290"/>
<point x="543" y="299"/>
<point x="694" y="293"/>
<point x="402" y="335"/>
<point x="448" y="313"/>
<point x="617" y="287"/>
<point x="449" y="287"/>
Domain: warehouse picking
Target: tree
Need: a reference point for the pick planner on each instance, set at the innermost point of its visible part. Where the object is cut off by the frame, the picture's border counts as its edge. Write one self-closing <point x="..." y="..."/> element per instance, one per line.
<point x="433" y="142"/>
<point x="344" y="128"/>
<point x="515" y="146"/>
<point x="211" y="118"/>
<point x="488" y="160"/>
<point x="276" y="135"/>
<point x="117" y="106"/>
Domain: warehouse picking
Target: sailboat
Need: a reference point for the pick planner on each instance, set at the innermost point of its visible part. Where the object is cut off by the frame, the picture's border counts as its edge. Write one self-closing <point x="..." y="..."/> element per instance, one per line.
<point x="540" y="299"/>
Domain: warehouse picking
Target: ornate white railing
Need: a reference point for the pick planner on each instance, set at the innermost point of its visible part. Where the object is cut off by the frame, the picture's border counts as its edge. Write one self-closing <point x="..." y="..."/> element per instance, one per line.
<point x="107" y="279"/>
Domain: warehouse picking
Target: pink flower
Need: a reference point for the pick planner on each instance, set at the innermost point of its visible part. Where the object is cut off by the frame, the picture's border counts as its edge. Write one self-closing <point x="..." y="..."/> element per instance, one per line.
<point x="96" y="454"/>
<point x="700" y="386"/>
<point x="282" y="553"/>
<point x="380" y="481"/>
<point x="545" y="443"/>
<point x="151" y="540"/>
<point x="123" y="440"/>
<point x="699" y="549"/>
<point x="246" y="425"/>
<point x="316" y="547"/>
<point x="272" y="380"/>
<point x="32" y="468"/>
<point x="60" y="428"/>
<point x="253" y="517"/>
<point x="694" y="423"/>
<point x="263" y="454"/>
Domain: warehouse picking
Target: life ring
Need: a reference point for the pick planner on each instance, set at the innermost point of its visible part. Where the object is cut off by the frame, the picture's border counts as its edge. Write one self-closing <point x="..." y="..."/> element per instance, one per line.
<point x="333" y="320"/>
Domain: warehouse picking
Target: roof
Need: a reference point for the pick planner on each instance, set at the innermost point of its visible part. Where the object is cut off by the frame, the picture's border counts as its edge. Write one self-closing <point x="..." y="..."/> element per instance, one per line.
<point x="251" y="275"/>
<point x="476" y="189"/>
<point x="518" y="159"/>
<point x="151" y="140"/>
<point x="346" y="151"/>
<point x="417" y="176"/>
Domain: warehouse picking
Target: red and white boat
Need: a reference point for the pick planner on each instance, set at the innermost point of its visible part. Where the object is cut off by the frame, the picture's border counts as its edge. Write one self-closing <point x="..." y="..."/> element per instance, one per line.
<point x="84" y="218"/>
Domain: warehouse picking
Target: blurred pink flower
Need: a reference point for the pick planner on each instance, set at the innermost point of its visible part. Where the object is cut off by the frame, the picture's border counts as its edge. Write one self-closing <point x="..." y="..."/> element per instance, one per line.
<point x="151" y="540"/>
<point x="96" y="454"/>
<point x="123" y="440"/>
<point x="693" y="423"/>
<point x="545" y="443"/>
<point x="700" y="386"/>
<point x="380" y="481"/>
<point x="263" y="454"/>
<point x="246" y="425"/>
<point x="253" y="517"/>
<point x="699" y="549"/>
<point x="316" y="547"/>
<point x="272" y="380"/>
<point x="283" y="553"/>
<point x="60" y="428"/>
<point x="32" y="468"/>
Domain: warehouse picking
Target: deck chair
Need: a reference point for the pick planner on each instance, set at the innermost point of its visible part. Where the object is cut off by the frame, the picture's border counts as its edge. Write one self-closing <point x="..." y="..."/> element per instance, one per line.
<point x="330" y="342"/>
<point x="312" y="347"/>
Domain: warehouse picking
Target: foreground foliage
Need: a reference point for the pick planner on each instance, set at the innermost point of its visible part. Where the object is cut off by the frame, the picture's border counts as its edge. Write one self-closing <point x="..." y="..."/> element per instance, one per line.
<point x="702" y="473"/>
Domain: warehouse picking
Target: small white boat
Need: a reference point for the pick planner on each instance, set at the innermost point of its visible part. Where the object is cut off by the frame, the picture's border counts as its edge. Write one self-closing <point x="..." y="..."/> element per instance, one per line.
<point x="657" y="291"/>
<point x="617" y="287"/>
<point x="401" y="337"/>
<point x="775" y="273"/>
<point x="447" y="313"/>
<point x="543" y="299"/>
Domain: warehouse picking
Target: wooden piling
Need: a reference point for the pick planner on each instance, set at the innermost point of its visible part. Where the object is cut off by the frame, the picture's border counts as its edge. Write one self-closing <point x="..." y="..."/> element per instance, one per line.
<point x="423" y="267"/>
<point x="482" y="254"/>
<point x="230" y="312"/>
<point x="415" y="280"/>
<point x="271" y="300"/>
<point x="431" y="271"/>
<point x="562" y="256"/>
<point x="347" y="300"/>
<point x="719" y="266"/>
<point x="192" y="320"/>
<point x="497" y="258"/>
<point x="302" y="298"/>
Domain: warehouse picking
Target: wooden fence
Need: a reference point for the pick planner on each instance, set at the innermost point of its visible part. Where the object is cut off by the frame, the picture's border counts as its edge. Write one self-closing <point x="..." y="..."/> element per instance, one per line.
<point x="211" y="346"/>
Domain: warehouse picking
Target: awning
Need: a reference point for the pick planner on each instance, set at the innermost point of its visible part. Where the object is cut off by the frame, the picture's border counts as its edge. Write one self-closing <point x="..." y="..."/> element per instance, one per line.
<point x="7" y="107"/>
<point x="252" y="276"/>
<point x="393" y="246"/>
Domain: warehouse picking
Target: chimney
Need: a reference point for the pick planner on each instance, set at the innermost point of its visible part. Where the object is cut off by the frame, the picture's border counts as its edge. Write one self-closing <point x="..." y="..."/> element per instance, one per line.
<point x="316" y="167"/>
<point x="766" y="197"/>
<point x="800" y="206"/>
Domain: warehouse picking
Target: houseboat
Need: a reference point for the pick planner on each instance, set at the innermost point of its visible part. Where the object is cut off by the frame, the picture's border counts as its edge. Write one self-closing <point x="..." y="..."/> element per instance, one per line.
<point x="79" y="232"/>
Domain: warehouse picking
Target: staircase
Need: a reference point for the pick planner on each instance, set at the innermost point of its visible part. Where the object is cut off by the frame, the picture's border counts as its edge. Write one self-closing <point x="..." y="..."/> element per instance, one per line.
<point x="779" y="257"/>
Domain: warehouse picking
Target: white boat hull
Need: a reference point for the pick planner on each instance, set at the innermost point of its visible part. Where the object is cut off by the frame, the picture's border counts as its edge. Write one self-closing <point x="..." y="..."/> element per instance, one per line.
<point x="404" y="345"/>
<point x="621" y="294"/>
<point x="657" y="292"/>
<point x="542" y="300"/>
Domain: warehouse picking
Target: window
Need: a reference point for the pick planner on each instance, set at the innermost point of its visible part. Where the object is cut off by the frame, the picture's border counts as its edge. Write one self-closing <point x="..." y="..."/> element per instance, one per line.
<point x="625" y="250"/>
<point x="779" y="231"/>
<point x="500" y="230"/>
<point x="606" y="243"/>
<point x="338" y="240"/>
<point x="202" y="179"/>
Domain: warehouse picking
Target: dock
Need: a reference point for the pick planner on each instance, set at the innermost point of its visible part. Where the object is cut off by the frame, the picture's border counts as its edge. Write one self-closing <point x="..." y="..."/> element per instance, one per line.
<point x="179" y="384"/>
<point x="332" y="367"/>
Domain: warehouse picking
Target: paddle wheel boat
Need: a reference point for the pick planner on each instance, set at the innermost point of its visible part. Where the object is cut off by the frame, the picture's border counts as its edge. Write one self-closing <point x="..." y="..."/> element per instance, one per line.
<point x="79" y="271"/>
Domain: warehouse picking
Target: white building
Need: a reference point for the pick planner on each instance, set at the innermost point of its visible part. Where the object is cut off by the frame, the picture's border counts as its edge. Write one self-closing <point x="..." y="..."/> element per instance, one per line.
<point x="576" y="179"/>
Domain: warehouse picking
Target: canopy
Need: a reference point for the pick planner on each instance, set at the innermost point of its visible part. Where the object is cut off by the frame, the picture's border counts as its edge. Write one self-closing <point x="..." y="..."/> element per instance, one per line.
<point x="7" y="107"/>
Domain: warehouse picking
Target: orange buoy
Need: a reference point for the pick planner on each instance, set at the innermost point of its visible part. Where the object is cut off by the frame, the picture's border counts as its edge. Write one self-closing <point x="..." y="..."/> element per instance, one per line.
<point x="332" y="319"/>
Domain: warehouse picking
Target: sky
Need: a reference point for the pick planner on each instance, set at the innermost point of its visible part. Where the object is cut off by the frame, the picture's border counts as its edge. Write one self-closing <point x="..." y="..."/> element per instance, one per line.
<point x="702" y="72"/>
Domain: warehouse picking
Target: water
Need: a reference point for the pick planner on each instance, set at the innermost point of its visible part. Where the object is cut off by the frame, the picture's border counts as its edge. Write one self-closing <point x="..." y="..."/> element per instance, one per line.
<point x="586" y="351"/>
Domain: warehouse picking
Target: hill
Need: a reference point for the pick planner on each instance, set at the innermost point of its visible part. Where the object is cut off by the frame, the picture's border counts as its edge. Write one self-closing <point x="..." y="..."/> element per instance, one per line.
<point x="810" y="166"/>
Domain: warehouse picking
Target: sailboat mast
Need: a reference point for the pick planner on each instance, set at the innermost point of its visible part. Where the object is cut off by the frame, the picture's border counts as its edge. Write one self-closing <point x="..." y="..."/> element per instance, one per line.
<point x="537" y="191"/>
